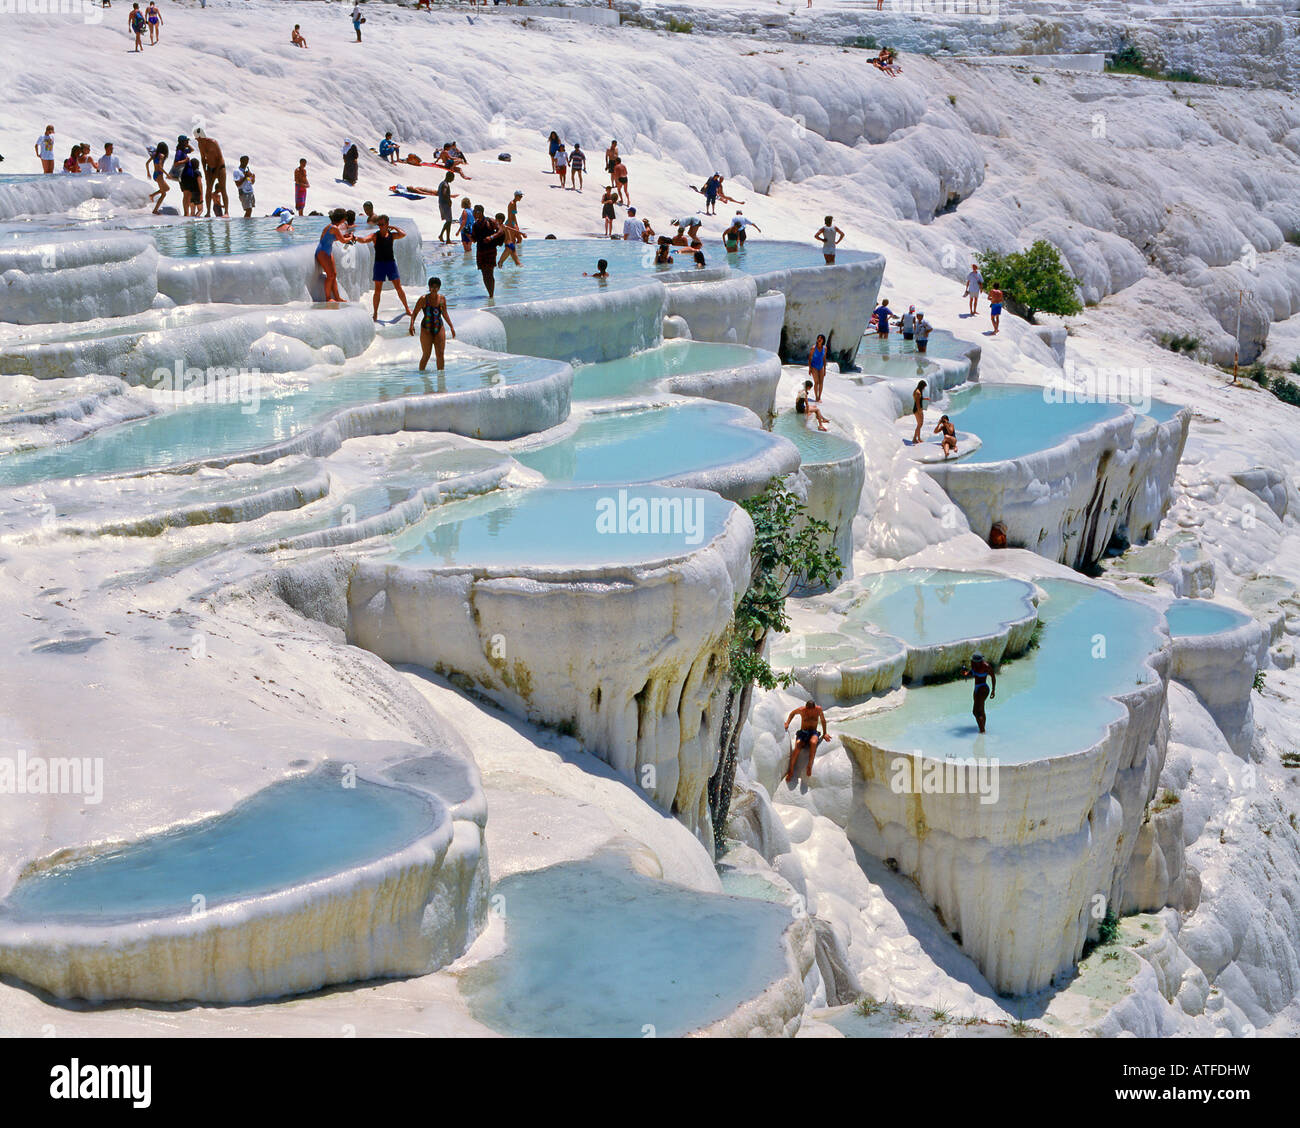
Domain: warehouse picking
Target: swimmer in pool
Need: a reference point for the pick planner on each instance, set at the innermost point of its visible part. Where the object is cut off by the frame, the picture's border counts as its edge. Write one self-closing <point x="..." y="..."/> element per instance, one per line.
<point x="983" y="674"/>
<point x="602" y="270"/>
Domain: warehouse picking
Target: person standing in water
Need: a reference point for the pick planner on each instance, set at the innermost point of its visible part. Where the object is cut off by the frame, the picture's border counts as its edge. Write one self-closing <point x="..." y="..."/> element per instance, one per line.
<point x="385" y="260"/>
<point x="918" y="409"/>
<point x="431" y="308"/>
<point x="881" y="315"/>
<point x="214" y="173"/>
<point x="488" y="235"/>
<point x="817" y="365"/>
<point x="921" y="331"/>
<point x="995" y="307"/>
<point x="332" y="233"/>
<point x="444" y="207"/>
<point x="465" y="228"/>
<point x="514" y="236"/>
<point x="244" y="179"/>
<point x="831" y="237"/>
<point x="983" y="674"/>
<point x="810" y="716"/>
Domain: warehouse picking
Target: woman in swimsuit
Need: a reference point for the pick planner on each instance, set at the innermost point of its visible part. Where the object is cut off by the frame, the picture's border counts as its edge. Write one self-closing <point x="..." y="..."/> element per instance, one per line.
<point x="154" y="16"/>
<point x="949" y="432"/>
<point x="803" y="407"/>
<point x="607" y="210"/>
<point x="156" y="172"/>
<point x="434" y="322"/>
<point x="513" y="233"/>
<point x="918" y="409"/>
<point x="982" y="672"/>
<point x="334" y="231"/>
<point x="817" y="365"/>
<point x="663" y="252"/>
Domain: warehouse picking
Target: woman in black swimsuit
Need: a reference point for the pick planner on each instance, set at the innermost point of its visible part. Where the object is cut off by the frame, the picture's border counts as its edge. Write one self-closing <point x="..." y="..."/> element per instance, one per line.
<point x="803" y="407"/>
<point x="433" y="325"/>
<point x="607" y="210"/>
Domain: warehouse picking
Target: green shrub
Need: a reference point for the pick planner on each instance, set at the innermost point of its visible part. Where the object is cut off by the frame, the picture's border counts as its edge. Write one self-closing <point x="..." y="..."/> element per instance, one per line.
<point x="1285" y="390"/>
<point x="683" y="26"/>
<point x="862" y="42"/>
<point x="1034" y="280"/>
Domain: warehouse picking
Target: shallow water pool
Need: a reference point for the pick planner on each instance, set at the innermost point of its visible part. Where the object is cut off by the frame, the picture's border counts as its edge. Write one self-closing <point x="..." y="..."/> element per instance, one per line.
<point x="294" y="831"/>
<point x="1015" y="421"/>
<point x="1188" y="618"/>
<point x="595" y="951"/>
<point x="547" y="527"/>
<point x="640" y="372"/>
<point x="650" y="445"/>
<point x="1055" y="700"/>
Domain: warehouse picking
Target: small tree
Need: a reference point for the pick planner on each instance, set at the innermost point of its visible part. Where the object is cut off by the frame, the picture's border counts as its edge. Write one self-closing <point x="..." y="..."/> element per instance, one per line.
<point x="1034" y="281"/>
<point x="789" y="547"/>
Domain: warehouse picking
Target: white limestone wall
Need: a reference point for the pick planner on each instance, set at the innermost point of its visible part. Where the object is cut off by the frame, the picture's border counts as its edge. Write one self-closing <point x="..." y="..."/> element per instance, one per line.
<point x="594" y="327"/>
<point x="1019" y="879"/>
<point x="59" y="193"/>
<point x="834" y="489"/>
<point x="542" y="642"/>
<point x="721" y="311"/>
<point x="752" y="386"/>
<point x="834" y="300"/>
<point x="1220" y="669"/>
<point x="226" y="337"/>
<point x="1067" y="502"/>
<point x="364" y="923"/>
<point x="73" y="277"/>
<point x="769" y="317"/>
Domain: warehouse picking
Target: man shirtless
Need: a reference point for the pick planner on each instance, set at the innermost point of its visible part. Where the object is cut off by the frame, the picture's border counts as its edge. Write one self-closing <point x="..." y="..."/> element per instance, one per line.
<point x="810" y="716"/>
<point x="214" y="173"/>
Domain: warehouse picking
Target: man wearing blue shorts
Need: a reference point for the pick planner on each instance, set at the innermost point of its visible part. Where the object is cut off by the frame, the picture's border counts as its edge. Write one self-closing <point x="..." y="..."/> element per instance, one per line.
<point x="385" y="260"/>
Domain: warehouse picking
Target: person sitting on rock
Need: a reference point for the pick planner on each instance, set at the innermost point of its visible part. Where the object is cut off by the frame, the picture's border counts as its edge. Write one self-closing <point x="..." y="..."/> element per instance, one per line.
<point x="810" y="716"/>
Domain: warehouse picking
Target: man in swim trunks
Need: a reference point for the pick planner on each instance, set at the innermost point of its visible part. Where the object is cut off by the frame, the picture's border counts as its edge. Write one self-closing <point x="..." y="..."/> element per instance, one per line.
<point x="995" y="306"/>
<point x="214" y="173"/>
<point x="385" y="261"/>
<point x="983" y="674"/>
<point x="810" y="716"/>
<point x="488" y="235"/>
<point x="831" y="237"/>
<point x="620" y="183"/>
<point x="974" y="283"/>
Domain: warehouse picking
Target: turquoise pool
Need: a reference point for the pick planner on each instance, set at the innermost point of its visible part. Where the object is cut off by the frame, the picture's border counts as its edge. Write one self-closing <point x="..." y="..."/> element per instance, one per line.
<point x="1055" y="700"/>
<point x="594" y="951"/>
<point x="814" y="446"/>
<point x="1188" y="618"/>
<point x="294" y="831"/>
<point x="548" y="527"/>
<point x="1014" y="421"/>
<point x="941" y="344"/>
<point x="553" y="268"/>
<point x="202" y="238"/>
<point x="640" y="372"/>
<point x="924" y="607"/>
<point x="650" y="445"/>
<point x="210" y="430"/>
